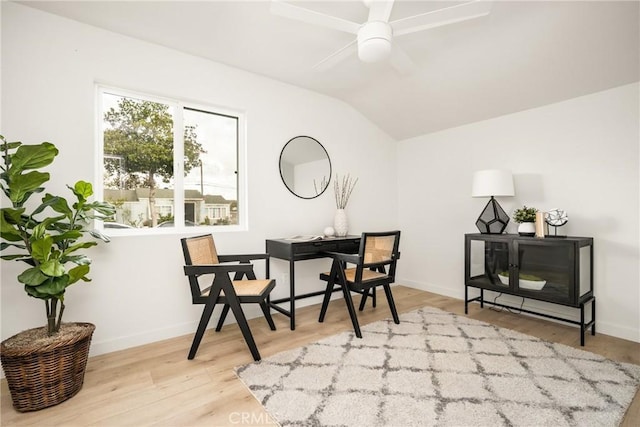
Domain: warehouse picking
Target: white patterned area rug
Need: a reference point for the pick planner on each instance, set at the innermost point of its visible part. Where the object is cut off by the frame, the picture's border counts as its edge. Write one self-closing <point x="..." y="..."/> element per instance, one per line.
<point x="440" y="369"/>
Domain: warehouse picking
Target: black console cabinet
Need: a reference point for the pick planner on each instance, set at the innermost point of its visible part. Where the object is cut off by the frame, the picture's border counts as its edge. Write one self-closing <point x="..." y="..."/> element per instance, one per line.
<point x="555" y="270"/>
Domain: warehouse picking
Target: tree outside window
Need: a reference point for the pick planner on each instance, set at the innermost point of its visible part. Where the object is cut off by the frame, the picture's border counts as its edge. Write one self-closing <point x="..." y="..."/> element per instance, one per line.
<point x="139" y="162"/>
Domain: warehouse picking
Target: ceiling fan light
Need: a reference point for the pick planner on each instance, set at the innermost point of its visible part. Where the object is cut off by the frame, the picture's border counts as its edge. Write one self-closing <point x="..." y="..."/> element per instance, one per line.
<point x="374" y="41"/>
<point x="374" y="50"/>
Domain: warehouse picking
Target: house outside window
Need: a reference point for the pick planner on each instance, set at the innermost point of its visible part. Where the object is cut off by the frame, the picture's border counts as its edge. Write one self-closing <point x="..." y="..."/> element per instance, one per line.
<point x="169" y="164"/>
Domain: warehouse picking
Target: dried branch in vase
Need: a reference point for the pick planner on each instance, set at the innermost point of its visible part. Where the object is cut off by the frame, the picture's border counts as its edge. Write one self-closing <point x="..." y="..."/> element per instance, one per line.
<point x="342" y="189"/>
<point x="323" y="185"/>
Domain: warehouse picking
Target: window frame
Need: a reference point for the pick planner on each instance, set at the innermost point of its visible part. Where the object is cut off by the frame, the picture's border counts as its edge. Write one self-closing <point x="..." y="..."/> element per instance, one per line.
<point x="177" y="107"/>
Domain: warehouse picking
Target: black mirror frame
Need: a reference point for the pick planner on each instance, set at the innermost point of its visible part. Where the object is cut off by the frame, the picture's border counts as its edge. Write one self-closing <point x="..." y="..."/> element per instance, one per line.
<point x="328" y="159"/>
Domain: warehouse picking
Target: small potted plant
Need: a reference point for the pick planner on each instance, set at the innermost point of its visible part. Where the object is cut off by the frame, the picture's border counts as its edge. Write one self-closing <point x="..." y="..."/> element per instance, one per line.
<point x="45" y="366"/>
<point x="526" y="217"/>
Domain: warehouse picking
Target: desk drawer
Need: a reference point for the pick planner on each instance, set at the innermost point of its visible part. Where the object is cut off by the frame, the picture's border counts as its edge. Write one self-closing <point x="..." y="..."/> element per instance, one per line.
<point x="349" y="246"/>
<point x="314" y="247"/>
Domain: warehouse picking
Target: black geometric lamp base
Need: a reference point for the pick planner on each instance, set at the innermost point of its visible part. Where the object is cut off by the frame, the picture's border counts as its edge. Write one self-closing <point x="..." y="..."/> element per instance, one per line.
<point x="493" y="219"/>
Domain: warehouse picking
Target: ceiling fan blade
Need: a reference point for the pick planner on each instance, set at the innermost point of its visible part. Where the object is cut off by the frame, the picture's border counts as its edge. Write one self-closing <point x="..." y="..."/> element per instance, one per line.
<point x="401" y="61"/>
<point x="337" y="57"/>
<point x="441" y="17"/>
<point x="380" y="10"/>
<point x="312" y="17"/>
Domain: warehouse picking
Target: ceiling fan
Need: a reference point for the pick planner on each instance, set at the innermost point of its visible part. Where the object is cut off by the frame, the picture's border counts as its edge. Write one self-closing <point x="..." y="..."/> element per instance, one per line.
<point x="374" y="41"/>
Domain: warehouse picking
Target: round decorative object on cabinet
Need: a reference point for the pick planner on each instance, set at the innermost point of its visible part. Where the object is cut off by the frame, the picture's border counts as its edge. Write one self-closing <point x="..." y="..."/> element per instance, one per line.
<point x="556" y="218"/>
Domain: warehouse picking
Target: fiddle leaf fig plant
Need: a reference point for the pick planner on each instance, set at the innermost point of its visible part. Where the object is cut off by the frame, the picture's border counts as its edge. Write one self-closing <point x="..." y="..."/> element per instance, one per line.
<point x="49" y="236"/>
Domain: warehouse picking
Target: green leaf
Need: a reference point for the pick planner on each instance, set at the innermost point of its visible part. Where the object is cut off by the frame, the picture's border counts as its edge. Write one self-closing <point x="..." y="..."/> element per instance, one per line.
<point x="52" y="268"/>
<point x="32" y="276"/>
<point x="32" y="157"/>
<point x="28" y="194"/>
<point x="99" y="235"/>
<point x="8" y="231"/>
<point x="83" y="190"/>
<point x="4" y="245"/>
<point x="40" y="230"/>
<point x="5" y="190"/>
<point x="21" y="257"/>
<point x="58" y="204"/>
<point x="9" y="145"/>
<point x="13" y="216"/>
<point x="53" y="287"/>
<point x="77" y="246"/>
<point x="41" y="249"/>
<point x="78" y="259"/>
<point x="79" y="272"/>
<point x="70" y="235"/>
<point x="11" y="236"/>
<point x="105" y="209"/>
<point x="23" y="185"/>
<point x="34" y="292"/>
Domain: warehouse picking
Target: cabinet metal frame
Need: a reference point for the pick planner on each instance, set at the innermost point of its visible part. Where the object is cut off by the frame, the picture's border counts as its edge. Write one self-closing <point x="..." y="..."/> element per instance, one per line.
<point x="512" y="243"/>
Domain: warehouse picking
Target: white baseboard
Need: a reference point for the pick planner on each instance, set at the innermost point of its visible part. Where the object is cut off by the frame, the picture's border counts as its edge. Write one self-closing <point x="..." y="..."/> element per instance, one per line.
<point x="606" y="328"/>
<point x="188" y="328"/>
<point x="129" y="341"/>
<point x="429" y="287"/>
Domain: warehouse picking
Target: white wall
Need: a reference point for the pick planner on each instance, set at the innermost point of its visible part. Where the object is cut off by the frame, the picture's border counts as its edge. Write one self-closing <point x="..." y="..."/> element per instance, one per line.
<point x="579" y="155"/>
<point x="139" y="294"/>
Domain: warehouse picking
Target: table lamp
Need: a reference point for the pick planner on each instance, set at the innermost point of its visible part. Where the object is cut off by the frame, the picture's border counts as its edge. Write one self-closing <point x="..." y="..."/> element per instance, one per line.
<point x="492" y="183"/>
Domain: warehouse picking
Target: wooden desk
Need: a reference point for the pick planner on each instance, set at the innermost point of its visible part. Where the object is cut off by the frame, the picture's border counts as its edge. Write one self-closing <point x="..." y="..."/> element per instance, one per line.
<point x="295" y="250"/>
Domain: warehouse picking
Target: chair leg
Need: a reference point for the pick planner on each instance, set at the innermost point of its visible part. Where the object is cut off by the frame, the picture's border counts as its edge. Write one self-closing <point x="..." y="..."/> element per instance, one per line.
<point x="335" y="266"/>
<point x="202" y="326"/>
<point x="267" y="314"/>
<point x="392" y="305"/>
<point x="325" y="301"/>
<point x="244" y="326"/>
<point x="352" y="311"/>
<point x="223" y="316"/>
<point x="365" y="295"/>
<point x="363" y="301"/>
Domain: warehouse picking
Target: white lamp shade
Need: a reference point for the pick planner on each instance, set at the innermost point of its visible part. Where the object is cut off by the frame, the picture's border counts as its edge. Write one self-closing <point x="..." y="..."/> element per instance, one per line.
<point x="492" y="182"/>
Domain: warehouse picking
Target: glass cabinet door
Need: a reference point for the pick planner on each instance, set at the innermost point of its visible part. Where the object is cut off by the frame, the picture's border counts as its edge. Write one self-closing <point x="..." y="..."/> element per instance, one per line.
<point x="488" y="264"/>
<point x="545" y="271"/>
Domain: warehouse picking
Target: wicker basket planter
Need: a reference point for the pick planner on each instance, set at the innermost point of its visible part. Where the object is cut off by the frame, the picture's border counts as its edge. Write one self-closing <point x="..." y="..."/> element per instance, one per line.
<point x="45" y="375"/>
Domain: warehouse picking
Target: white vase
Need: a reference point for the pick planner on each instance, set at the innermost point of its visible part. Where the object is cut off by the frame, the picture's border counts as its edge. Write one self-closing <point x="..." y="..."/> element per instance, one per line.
<point x="527" y="229"/>
<point x="340" y="224"/>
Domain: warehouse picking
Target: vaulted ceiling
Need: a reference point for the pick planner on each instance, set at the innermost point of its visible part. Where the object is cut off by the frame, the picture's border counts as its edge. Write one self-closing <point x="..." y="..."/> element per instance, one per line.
<point x="522" y="55"/>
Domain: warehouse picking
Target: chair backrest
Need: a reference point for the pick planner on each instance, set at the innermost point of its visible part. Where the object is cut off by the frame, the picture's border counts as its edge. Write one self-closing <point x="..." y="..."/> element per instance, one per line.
<point x="199" y="250"/>
<point x="379" y="250"/>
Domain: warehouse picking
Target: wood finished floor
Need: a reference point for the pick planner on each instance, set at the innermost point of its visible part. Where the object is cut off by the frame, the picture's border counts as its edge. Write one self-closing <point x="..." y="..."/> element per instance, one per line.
<point x="155" y="384"/>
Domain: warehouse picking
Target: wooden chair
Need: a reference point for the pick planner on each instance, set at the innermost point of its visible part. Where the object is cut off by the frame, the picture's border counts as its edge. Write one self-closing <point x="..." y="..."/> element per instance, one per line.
<point x="202" y="259"/>
<point x="375" y="265"/>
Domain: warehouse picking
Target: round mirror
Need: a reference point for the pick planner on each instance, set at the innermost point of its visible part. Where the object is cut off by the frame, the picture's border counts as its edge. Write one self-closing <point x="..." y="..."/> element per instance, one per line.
<point x="305" y="167"/>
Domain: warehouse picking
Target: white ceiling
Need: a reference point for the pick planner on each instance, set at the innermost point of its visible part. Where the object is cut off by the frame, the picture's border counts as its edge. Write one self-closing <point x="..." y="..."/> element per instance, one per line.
<point x="523" y="55"/>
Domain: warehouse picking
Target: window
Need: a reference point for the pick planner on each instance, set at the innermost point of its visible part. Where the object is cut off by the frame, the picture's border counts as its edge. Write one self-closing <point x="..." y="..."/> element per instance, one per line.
<point x="167" y="163"/>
